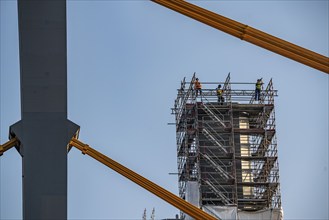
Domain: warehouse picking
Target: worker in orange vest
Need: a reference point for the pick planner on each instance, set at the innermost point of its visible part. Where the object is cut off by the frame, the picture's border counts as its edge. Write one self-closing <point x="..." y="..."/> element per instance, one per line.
<point x="197" y="87"/>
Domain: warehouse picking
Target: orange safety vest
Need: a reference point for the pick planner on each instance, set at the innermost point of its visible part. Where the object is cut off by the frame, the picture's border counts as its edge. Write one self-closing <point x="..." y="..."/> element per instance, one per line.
<point x="197" y="85"/>
<point x="219" y="92"/>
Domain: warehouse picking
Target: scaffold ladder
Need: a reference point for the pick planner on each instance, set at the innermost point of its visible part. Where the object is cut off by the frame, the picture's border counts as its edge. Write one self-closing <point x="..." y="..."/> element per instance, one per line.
<point x="221" y="171"/>
<point x="218" y="192"/>
<point x="213" y="139"/>
<point x="213" y="116"/>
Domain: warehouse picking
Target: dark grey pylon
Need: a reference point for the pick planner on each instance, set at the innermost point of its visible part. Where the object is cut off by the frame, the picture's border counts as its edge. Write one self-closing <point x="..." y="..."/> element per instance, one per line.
<point x="44" y="130"/>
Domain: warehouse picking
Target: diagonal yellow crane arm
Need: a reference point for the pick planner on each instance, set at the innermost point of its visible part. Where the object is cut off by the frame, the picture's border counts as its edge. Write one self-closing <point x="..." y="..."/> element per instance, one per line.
<point x="162" y="193"/>
<point x="157" y="190"/>
<point x="9" y="144"/>
<point x="247" y="33"/>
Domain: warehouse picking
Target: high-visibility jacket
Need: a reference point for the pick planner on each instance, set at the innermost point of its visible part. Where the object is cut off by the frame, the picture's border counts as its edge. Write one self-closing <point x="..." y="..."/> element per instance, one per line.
<point x="197" y="85"/>
<point x="219" y="92"/>
<point x="259" y="85"/>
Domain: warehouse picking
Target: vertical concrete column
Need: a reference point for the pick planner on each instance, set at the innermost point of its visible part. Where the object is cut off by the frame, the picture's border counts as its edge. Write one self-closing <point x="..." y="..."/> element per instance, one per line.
<point x="44" y="130"/>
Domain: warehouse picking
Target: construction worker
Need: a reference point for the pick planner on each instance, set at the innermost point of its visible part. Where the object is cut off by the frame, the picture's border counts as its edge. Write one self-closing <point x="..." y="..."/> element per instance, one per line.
<point x="220" y="95"/>
<point x="197" y="87"/>
<point x="258" y="89"/>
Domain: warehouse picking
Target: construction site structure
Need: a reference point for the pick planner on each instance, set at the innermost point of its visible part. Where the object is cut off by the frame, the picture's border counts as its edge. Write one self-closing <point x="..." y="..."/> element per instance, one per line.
<point x="227" y="153"/>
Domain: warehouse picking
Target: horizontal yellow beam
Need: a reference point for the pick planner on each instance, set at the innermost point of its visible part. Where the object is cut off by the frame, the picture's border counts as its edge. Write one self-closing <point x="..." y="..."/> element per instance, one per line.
<point x="249" y="34"/>
<point x="9" y="144"/>
<point x="162" y="193"/>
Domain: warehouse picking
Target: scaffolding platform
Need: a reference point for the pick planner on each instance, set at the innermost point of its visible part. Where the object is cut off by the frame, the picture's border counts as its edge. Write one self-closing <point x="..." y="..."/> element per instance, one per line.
<point x="228" y="147"/>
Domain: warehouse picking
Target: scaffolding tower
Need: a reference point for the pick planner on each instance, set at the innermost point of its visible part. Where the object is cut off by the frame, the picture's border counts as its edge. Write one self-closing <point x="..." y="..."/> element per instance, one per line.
<point x="227" y="152"/>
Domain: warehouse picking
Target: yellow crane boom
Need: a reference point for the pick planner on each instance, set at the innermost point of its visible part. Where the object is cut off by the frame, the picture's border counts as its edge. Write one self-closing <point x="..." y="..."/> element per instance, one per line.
<point x="157" y="190"/>
<point x="247" y="33"/>
<point x="9" y="144"/>
<point x="162" y="193"/>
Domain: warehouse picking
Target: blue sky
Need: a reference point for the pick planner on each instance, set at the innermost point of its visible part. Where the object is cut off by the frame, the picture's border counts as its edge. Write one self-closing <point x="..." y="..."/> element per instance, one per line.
<point x="125" y="62"/>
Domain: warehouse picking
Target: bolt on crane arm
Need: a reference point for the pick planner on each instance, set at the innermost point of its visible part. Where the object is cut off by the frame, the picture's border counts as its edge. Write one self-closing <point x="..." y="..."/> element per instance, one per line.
<point x="9" y="144"/>
<point x="162" y="193"/>
<point x="252" y="35"/>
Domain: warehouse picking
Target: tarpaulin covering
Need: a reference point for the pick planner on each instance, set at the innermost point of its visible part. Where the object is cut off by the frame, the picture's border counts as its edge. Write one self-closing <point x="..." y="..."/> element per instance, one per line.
<point x="231" y="213"/>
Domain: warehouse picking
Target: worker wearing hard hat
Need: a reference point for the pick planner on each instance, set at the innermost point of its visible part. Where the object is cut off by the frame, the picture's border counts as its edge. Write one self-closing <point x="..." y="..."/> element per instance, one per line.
<point x="258" y="89"/>
<point x="220" y="92"/>
<point x="197" y="87"/>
